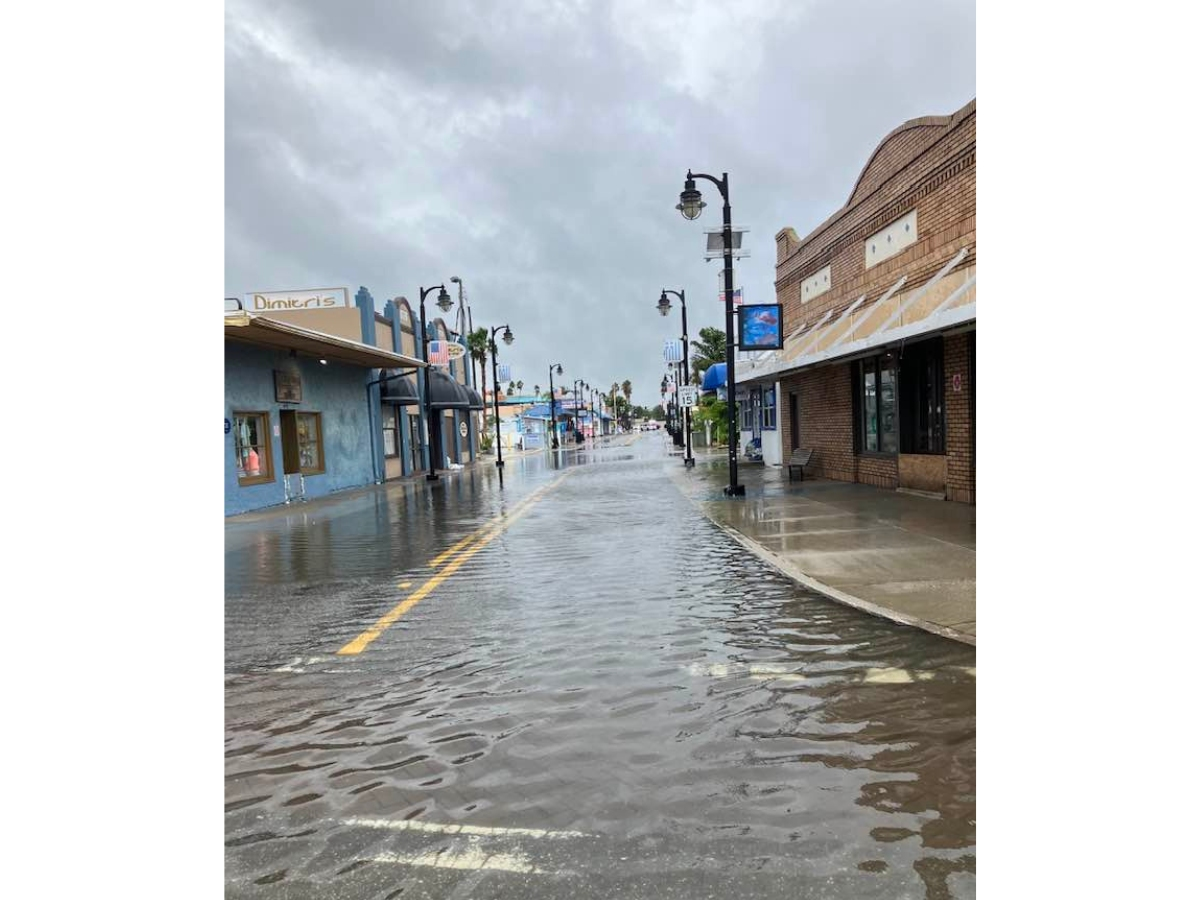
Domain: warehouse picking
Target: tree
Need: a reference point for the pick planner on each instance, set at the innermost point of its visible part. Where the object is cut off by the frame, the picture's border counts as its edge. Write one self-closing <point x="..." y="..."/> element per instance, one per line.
<point x="520" y="386"/>
<point x="627" y="389"/>
<point x="708" y="350"/>
<point x="477" y="348"/>
<point x="537" y="390"/>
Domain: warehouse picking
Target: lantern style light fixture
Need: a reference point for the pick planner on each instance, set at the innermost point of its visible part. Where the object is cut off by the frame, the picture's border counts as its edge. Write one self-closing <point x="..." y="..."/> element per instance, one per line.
<point x="444" y="302"/>
<point x="690" y="203"/>
<point x="507" y="337"/>
<point x="664" y="305"/>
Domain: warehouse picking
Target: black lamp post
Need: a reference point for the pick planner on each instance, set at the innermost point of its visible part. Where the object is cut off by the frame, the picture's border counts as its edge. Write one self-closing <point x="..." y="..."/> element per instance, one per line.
<point x="508" y="339"/>
<point x="664" y="308"/>
<point x="576" y="395"/>
<point x="444" y="303"/>
<point x="690" y="206"/>
<point x="553" y="425"/>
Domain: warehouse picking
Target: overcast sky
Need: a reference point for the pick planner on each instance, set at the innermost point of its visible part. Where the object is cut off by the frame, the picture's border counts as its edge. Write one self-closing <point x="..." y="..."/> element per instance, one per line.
<point x="537" y="150"/>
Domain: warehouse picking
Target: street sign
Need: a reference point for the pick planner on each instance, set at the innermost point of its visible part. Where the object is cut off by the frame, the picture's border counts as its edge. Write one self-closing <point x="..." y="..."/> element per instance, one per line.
<point x="689" y="395"/>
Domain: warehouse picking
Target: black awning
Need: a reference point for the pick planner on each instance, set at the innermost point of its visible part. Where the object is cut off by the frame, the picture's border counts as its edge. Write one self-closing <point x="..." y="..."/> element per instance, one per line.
<point x="401" y="391"/>
<point x="476" y="399"/>
<point x="445" y="392"/>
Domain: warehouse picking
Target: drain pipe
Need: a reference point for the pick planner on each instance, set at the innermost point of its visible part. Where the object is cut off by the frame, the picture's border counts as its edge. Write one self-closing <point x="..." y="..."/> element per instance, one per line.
<point x="371" y="418"/>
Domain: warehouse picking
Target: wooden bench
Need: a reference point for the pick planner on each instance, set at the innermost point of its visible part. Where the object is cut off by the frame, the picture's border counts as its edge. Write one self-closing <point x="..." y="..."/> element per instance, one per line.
<point x="800" y="459"/>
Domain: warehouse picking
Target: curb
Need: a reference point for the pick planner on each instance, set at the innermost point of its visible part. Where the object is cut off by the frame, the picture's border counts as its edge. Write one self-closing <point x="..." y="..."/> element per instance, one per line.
<point x="786" y="568"/>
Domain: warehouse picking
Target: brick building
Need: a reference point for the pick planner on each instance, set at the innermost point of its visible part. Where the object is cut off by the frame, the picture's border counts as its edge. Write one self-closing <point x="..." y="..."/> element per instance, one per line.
<point x="877" y="370"/>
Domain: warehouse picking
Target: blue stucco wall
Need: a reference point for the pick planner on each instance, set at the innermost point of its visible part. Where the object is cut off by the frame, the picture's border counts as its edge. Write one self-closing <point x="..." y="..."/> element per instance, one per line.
<point x="337" y="392"/>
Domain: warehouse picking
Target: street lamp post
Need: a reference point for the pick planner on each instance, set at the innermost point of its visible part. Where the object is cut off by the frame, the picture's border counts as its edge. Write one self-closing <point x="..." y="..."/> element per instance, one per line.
<point x="690" y="206"/>
<point x="577" y="396"/>
<point x="553" y="425"/>
<point x="664" y="308"/>
<point x="444" y="303"/>
<point x="508" y="339"/>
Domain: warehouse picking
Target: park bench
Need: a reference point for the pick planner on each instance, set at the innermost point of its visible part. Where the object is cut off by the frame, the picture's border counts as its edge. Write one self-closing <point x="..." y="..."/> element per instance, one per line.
<point x="800" y="459"/>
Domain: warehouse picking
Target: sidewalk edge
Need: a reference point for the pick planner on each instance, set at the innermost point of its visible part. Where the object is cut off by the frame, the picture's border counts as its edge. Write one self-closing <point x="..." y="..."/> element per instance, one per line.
<point x="832" y="593"/>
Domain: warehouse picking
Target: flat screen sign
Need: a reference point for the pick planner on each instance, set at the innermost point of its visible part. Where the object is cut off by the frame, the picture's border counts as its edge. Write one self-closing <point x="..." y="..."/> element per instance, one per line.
<point x="761" y="326"/>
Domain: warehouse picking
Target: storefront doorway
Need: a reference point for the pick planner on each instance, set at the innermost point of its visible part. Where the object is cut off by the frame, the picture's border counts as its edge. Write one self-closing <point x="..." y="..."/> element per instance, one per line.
<point x="922" y="458"/>
<point x="415" y="443"/>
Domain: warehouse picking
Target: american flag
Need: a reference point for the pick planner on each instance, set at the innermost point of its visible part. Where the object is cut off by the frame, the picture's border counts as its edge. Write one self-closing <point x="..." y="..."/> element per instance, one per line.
<point x="439" y="353"/>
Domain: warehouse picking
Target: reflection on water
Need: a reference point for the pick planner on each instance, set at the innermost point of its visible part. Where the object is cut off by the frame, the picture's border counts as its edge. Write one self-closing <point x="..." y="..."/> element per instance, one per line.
<point x="612" y="665"/>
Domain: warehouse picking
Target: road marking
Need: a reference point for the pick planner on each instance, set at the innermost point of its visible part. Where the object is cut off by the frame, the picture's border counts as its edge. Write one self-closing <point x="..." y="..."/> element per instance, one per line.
<point x="479" y="830"/>
<point x="405" y="584"/>
<point x="775" y="672"/>
<point x="472" y="858"/>
<point x="361" y="642"/>
<point x="441" y="557"/>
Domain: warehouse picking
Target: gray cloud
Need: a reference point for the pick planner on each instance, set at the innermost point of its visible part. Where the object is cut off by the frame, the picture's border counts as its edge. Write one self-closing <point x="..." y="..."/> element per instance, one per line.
<point x="537" y="150"/>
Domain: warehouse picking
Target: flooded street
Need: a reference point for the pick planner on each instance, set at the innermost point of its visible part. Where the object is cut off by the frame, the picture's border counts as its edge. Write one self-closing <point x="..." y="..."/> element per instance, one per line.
<point x="575" y="685"/>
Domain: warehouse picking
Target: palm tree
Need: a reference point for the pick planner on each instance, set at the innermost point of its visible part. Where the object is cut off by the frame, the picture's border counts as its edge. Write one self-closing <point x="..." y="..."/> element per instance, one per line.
<point x="708" y="350"/>
<point x="627" y="388"/>
<point x="477" y="349"/>
<point x="520" y="386"/>
<point x="537" y="390"/>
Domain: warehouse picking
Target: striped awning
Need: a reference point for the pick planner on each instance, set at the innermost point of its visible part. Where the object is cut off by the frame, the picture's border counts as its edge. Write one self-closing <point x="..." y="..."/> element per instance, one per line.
<point x="945" y="301"/>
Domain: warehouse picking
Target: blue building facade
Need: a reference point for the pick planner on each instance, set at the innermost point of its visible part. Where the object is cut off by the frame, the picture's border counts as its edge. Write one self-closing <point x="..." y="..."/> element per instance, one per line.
<point x="336" y="392"/>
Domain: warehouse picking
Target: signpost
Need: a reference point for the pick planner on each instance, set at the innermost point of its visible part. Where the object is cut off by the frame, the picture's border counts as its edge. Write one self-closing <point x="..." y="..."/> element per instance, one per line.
<point x="689" y="395"/>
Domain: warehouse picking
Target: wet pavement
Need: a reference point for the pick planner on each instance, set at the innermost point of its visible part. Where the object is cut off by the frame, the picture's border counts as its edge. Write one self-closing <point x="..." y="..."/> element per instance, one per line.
<point x="593" y="692"/>
<point x="908" y="558"/>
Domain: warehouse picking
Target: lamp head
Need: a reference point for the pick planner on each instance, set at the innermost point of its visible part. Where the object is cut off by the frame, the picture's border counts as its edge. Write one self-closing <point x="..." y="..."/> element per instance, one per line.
<point x="690" y="203"/>
<point x="508" y="335"/>
<point x="664" y="305"/>
<point x="443" y="301"/>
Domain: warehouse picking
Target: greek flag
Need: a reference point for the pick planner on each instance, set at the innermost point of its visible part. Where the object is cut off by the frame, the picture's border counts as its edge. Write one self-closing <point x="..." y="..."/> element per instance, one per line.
<point x="505" y="372"/>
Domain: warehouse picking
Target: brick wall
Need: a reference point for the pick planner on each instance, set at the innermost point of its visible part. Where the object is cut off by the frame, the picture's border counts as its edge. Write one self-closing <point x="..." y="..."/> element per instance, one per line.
<point x="927" y="167"/>
<point x="926" y="164"/>
<point x="960" y="473"/>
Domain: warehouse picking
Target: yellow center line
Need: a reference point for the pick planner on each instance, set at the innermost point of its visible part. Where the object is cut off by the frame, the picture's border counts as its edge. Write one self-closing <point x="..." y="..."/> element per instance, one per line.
<point x="449" y="552"/>
<point x="361" y="642"/>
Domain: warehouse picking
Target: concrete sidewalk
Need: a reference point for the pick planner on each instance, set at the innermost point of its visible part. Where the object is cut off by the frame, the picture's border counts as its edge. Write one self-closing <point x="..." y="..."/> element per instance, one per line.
<point x="907" y="558"/>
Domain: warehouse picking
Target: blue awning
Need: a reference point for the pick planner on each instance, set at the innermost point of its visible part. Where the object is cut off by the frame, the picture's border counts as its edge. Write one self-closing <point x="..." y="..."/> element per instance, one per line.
<point x="714" y="377"/>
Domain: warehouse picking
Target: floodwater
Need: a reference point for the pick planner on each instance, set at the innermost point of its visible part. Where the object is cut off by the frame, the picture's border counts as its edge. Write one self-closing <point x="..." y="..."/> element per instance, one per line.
<point x="606" y="697"/>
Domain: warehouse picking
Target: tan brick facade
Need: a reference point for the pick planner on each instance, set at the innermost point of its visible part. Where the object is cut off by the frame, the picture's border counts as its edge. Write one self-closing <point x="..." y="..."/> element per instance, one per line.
<point x="960" y="451"/>
<point x="926" y="165"/>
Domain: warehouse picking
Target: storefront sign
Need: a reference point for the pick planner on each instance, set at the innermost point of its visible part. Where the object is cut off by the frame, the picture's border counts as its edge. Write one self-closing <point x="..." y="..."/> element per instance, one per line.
<point x="228" y="426"/>
<point x="323" y="298"/>
<point x="957" y="382"/>
<point x="287" y="388"/>
<point x="462" y="428"/>
<point x="761" y="327"/>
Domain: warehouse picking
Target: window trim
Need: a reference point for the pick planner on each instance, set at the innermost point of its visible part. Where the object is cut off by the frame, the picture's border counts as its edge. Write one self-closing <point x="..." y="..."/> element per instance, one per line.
<point x="773" y="406"/>
<point x="391" y="412"/>
<point x="266" y="462"/>
<point x="859" y="406"/>
<point x="319" y="469"/>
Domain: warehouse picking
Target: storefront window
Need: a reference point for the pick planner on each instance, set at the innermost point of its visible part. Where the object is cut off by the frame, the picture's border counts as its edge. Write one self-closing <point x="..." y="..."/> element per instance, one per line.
<point x="391" y="446"/>
<point x="308" y="441"/>
<point x="252" y="447"/>
<point x="876" y="423"/>
<point x="746" y="409"/>
<point x="768" y="414"/>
